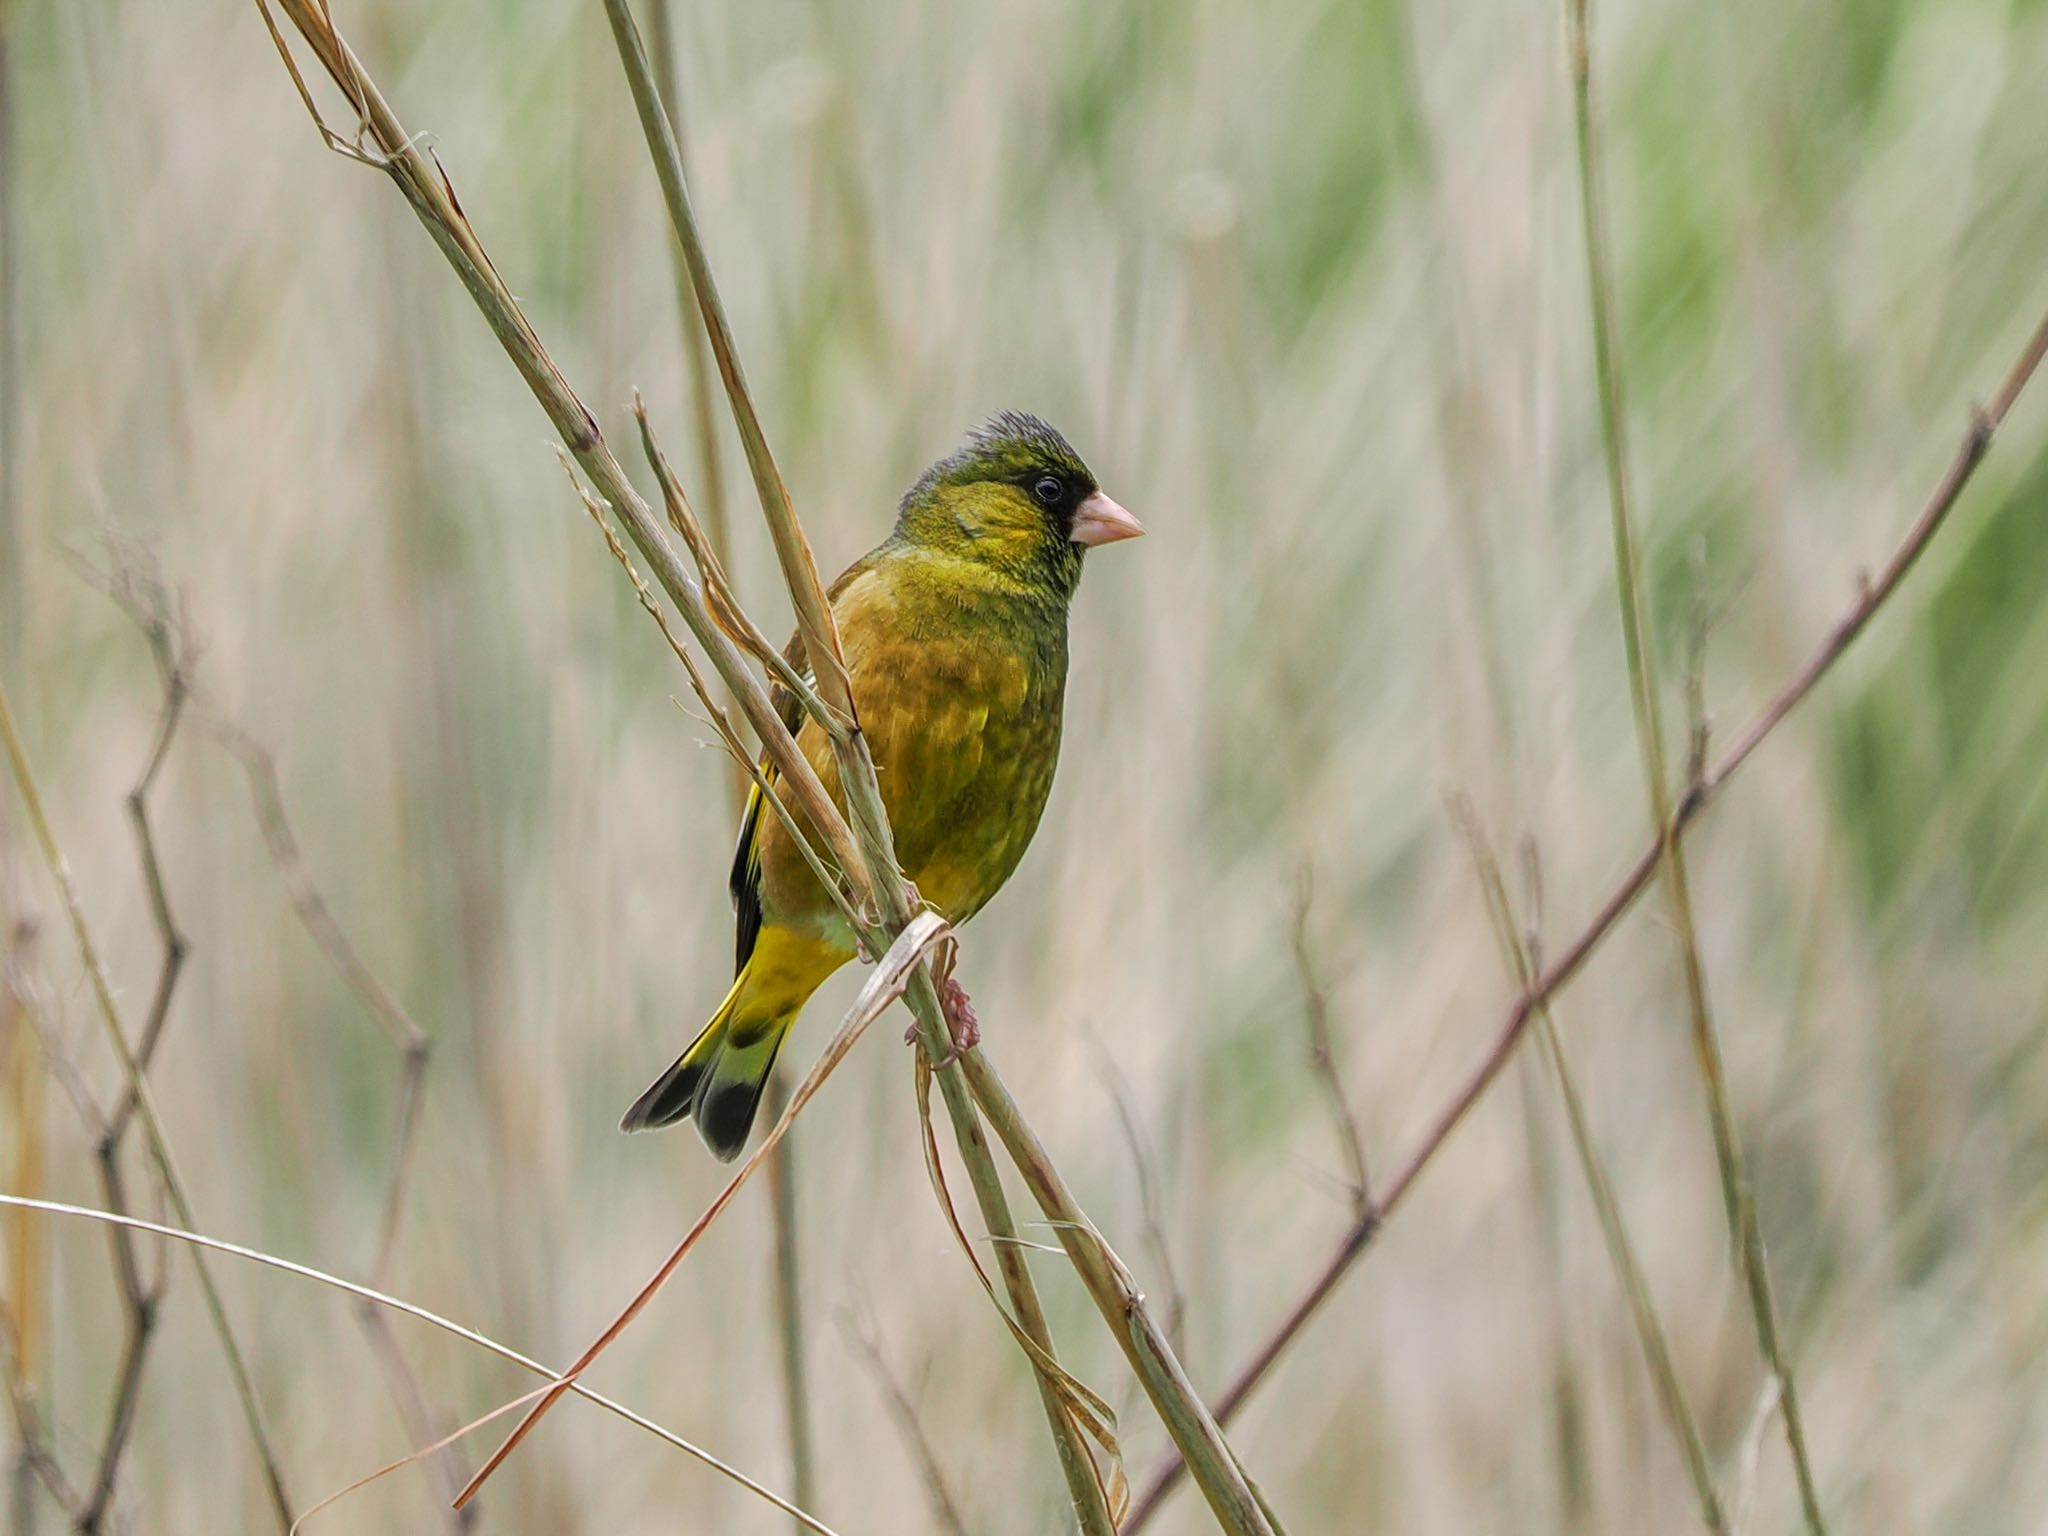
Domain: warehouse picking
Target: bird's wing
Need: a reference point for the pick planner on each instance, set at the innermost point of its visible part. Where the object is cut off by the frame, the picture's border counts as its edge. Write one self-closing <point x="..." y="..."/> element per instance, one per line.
<point x="745" y="882"/>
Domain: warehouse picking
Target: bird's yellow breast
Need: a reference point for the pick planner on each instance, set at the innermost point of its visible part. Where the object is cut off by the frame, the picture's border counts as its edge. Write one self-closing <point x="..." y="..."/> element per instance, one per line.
<point x="959" y="688"/>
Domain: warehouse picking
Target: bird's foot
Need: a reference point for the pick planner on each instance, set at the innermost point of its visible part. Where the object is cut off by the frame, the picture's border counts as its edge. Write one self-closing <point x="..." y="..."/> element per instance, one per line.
<point x="962" y="1027"/>
<point x="961" y="1023"/>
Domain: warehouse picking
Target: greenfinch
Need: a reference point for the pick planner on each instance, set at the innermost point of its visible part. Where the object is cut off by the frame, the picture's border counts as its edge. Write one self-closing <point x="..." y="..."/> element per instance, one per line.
<point x="955" y="634"/>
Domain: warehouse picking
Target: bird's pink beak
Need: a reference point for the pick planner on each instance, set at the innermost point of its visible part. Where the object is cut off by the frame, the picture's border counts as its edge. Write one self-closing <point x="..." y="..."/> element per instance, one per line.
<point x="1098" y="520"/>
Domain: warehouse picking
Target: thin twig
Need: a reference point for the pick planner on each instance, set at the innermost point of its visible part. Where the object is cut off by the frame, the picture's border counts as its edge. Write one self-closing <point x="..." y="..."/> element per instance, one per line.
<point x="1322" y="1054"/>
<point x="1745" y="1230"/>
<point x="1176" y="1309"/>
<point x="141" y="596"/>
<point x="945" y="1509"/>
<point x="159" y="1142"/>
<point x="1870" y="597"/>
<point x="1520" y="949"/>
<point x="139" y="593"/>
<point x="415" y="1048"/>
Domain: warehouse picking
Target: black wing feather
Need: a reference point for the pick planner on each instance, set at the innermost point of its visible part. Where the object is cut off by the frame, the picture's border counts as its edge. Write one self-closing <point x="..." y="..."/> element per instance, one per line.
<point x="745" y="881"/>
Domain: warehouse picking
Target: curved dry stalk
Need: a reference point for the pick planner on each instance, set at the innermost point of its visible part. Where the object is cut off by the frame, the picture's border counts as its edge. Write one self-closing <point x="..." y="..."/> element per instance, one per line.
<point x="782" y="1173"/>
<point x="381" y="141"/>
<point x="884" y="985"/>
<point x="1230" y="1494"/>
<point x="1745" y="1230"/>
<point x="153" y="1129"/>
<point x="370" y="1295"/>
<point x="1872" y="595"/>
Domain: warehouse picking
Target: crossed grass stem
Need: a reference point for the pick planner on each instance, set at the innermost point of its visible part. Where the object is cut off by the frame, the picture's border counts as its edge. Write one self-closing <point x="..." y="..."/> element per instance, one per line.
<point x="380" y="140"/>
<point x="1874" y="591"/>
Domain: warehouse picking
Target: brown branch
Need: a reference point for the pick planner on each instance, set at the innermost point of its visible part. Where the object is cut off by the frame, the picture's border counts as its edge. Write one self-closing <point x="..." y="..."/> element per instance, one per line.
<point x="139" y="594"/>
<point x="141" y="1299"/>
<point x="1871" y="596"/>
<point x="136" y="589"/>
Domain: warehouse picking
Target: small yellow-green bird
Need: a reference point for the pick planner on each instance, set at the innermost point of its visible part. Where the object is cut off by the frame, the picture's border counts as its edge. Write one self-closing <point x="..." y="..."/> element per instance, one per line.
<point x="955" y="633"/>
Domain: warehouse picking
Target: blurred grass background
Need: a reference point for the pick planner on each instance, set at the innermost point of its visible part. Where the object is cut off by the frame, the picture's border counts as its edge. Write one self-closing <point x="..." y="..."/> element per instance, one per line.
<point x="1304" y="284"/>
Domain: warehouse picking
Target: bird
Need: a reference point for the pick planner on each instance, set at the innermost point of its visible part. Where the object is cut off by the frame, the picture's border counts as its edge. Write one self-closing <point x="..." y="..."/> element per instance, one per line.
<point x="954" y="630"/>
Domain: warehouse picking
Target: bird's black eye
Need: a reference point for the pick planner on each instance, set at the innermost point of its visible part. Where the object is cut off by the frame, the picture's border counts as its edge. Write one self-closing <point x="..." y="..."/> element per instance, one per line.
<point x="1048" y="490"/>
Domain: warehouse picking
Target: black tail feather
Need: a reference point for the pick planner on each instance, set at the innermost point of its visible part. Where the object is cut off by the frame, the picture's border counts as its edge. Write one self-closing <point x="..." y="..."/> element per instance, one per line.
<point x="668" y="1099"/>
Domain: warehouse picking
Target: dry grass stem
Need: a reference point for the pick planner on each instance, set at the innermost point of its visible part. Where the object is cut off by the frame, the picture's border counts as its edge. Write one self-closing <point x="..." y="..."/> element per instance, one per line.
<point x="1221" y="251"/>
<point x="1870" y="597"/>
<point x="1223" y="1481"/>
<point x="814" y="621"/>
<point x="374" y="1297"/>
<point x="1175" y="1312"/>
<point x="883" y="986"/>
<point x="1519" y="947"/>
<point x="153" y="1129"/>
<point x="1744" y="1229"/>
<point x="1322" y="1055"/>
<point x="381" y="140"/>
<point x="414" y="1046"/>
<point x="945" y="1509"/>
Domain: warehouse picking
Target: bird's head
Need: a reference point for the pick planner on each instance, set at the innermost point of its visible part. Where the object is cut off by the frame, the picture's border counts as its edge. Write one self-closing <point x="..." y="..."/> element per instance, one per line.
<point x="1015" y="495"/>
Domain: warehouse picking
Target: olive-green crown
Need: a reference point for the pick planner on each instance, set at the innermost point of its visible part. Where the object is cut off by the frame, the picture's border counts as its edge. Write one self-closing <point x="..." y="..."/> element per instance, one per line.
<point x="1012" y="446"/>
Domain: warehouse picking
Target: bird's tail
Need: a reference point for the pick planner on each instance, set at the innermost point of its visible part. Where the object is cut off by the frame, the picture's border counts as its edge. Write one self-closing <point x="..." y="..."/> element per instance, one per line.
<point x="720" y="1077"/>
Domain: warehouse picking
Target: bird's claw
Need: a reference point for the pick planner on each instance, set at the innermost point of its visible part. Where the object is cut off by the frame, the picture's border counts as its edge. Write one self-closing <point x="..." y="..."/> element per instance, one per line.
<point x="961" y="1024"/>
<point x="962" y="1027"/>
